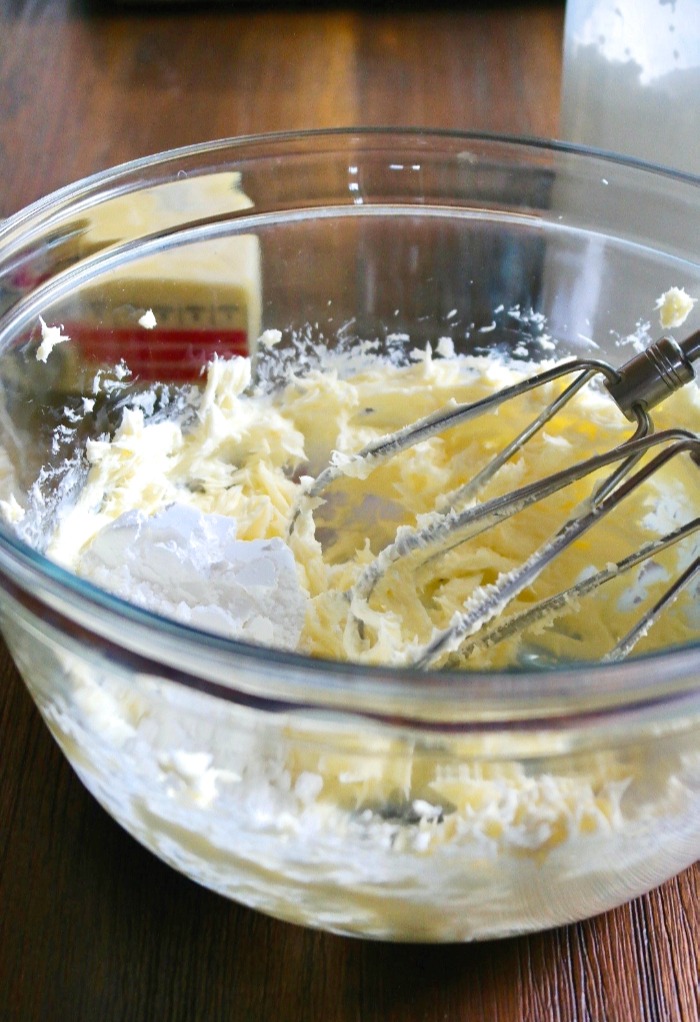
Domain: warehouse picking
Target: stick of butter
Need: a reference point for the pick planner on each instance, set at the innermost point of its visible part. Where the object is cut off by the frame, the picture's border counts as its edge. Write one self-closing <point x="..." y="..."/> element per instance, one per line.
<point x="167" y="313"/>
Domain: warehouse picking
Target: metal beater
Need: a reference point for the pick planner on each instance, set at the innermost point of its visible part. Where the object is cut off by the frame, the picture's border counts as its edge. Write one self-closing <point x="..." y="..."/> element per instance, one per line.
<point x="637" y="386"/>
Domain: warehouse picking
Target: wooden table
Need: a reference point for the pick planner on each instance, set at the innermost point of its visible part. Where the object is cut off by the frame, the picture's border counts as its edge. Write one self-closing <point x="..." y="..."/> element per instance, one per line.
<point x="92" y="927"/>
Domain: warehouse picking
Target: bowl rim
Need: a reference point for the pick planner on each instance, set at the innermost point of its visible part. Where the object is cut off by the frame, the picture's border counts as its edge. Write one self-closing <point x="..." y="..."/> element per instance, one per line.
<point x="83" y="186"/>
<point x="480" y="698"/>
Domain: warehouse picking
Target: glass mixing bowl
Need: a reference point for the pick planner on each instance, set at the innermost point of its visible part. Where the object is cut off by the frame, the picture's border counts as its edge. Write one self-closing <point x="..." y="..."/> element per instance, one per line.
<point x="381" y="802"/>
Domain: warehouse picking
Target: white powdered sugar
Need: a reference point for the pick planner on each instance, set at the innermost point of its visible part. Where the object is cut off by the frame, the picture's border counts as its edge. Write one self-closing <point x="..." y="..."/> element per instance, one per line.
<point x="188" y="565"/>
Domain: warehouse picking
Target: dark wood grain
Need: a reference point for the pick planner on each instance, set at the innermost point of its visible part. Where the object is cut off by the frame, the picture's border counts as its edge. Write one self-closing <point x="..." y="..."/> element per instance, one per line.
<point x="92" y="927"/>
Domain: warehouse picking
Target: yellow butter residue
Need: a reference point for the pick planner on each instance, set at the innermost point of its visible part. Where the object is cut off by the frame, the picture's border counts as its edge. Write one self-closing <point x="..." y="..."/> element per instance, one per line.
<point x="674" y="306"/>
<point x="249" y="454"/>
<point x="498" y="805"/>
<point x="50" y="337"/>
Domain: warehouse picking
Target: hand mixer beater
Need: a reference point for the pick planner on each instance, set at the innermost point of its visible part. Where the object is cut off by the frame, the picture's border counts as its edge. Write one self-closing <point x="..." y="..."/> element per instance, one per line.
<point x="636" y="387"/>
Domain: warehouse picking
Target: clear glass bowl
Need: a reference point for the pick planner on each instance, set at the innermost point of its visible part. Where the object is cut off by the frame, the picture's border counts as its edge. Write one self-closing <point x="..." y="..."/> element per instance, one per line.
<point x="379" y="802"/>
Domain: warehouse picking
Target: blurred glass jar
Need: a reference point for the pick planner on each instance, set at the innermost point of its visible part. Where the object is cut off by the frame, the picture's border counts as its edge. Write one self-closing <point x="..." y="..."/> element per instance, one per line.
<point x="631" y="80"/>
